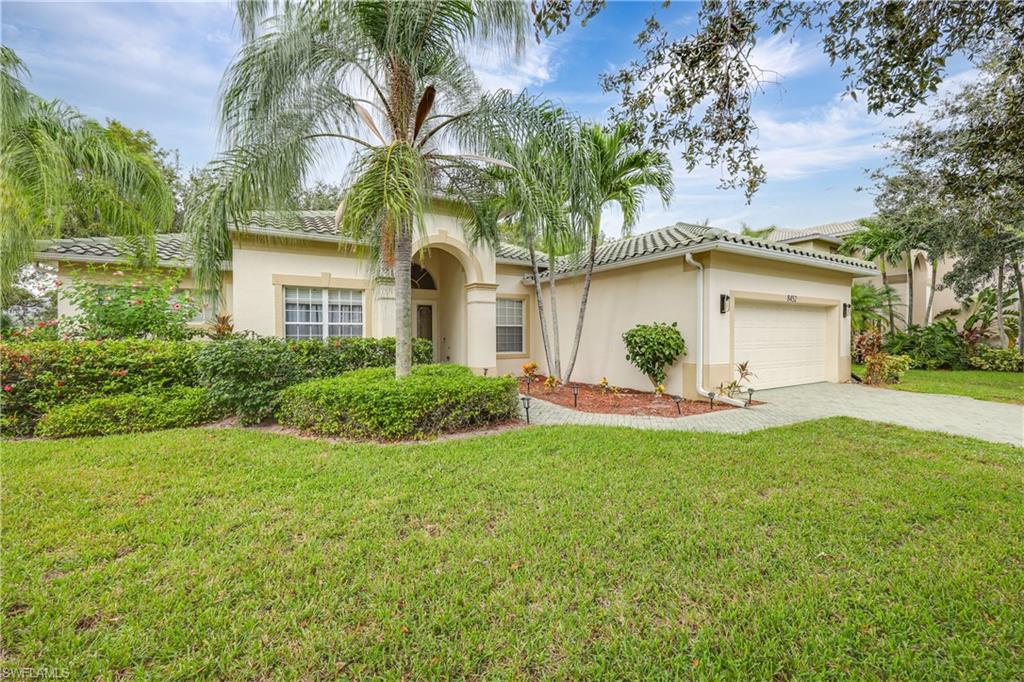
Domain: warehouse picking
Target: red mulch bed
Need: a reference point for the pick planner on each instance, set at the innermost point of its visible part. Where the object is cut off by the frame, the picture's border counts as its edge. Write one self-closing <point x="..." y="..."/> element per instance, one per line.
<point x="593" y="398"/>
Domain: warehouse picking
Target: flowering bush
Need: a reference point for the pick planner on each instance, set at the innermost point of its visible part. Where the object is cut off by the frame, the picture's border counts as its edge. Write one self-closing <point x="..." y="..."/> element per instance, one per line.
<point x="46" y="330"/>
<point x="134" y="306"/>
<point x="38" y="377"/>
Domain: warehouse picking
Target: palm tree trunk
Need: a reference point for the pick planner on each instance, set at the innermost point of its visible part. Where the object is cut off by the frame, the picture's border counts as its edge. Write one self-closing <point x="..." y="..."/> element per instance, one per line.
<point x="910" y="288"/>
<point x="540" y="306"/>
<point x="1000" y="323"/>
<point x="931" y="293"/>
<point x="595" y="230"/>
<point x="403" y="302"/>
<point x="555" y="347"/>
<point x="1020" y="305"/>
<point x="888" y="297"/>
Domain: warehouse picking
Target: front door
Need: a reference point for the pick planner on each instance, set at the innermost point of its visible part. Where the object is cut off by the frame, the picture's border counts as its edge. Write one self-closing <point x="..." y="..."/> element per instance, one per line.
<point x="424" y="322"/>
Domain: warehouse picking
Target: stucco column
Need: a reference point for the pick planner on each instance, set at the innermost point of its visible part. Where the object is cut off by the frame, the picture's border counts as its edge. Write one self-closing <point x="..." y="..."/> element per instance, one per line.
<point x="480" y="327"/>
<point x="383" y="307"/>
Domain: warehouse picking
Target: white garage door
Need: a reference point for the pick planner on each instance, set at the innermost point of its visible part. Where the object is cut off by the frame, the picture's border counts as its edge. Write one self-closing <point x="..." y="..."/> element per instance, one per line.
<point x="784" y="343"/>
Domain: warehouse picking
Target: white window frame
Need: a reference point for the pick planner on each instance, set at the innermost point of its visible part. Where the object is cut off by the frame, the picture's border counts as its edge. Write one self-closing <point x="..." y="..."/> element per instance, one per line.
<point x="326" y="323"/>
<point x="521" y="326"/>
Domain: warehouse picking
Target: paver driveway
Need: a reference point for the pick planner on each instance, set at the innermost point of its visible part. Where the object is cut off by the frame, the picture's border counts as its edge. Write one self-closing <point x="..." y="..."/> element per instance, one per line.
<point x="991" y="421"/>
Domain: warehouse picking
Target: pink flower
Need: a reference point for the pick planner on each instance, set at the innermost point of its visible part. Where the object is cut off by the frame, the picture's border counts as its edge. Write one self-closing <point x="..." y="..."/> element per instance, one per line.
<point x="40" y="324"/>
<point x="122" y="372"/>
<point x="58" y="283"/>
<point x="137" y="302"/>
<point x="8" y="388"/>
<point x="176" y="306"/>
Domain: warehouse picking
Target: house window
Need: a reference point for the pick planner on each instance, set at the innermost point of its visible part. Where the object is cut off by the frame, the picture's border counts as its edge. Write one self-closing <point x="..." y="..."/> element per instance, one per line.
<point x="207" y="304"/>
<point x="320" y="313"/>
<point x="421" y="279"/>
<point x="509" y="313"/>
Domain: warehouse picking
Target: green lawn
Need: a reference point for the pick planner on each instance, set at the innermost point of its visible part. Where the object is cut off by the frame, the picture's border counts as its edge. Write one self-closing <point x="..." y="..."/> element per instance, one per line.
<point x="830" y="549"/>
<point x="1004" y="387"/>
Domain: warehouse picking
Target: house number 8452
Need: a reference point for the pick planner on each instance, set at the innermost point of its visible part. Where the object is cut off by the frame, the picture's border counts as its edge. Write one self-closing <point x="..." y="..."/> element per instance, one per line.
<point x="790" y="298"/>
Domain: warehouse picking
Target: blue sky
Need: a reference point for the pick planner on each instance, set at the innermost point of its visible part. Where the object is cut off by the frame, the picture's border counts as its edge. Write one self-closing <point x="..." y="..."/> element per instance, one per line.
<point x="158" y="66"/>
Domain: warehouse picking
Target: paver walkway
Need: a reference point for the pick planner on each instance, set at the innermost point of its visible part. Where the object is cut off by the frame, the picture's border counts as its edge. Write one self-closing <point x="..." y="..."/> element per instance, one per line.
<point x="998" y="422"/>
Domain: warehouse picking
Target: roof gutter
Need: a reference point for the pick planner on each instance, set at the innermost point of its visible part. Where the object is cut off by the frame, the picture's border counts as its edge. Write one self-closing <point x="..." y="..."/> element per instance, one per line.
<point x="710" y="395"/>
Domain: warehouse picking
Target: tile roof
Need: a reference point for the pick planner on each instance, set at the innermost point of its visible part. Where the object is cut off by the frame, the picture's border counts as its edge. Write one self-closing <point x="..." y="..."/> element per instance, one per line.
<point x="836" y="229"/>
<point x="174" y="249"/>
<point x="171" y="249"/>
<point x="305" y="223"/>
<point x="518" y="254"/>
<point x="683" y="236"/>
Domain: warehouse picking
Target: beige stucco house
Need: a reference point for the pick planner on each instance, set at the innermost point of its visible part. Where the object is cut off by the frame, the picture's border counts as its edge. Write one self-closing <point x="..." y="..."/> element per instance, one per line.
<point x="829" y="237"/>
<point x="781" y="308"/>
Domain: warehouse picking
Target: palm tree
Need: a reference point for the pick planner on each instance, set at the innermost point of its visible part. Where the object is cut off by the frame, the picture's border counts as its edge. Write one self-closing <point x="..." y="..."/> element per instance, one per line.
<point x="48" y="153"/>
<point x="537" y="197"/>
<point x="877" y="241"/>
<point x="623" y="172"/>
<point x="868" y="305"/>
<point x="386" y="79"/>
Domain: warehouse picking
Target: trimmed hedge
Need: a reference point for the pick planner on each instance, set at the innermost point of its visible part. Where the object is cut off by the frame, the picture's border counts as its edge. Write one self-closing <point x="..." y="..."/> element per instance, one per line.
<point x="40" y="376"/>
<point x="371" y="403"/>
<point x="997" y="359"/>
<point x="130" y="413"/>
<point x="245" y="375"/>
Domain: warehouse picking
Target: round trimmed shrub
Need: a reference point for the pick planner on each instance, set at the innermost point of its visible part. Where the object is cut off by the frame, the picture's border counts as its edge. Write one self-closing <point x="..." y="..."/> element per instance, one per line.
<point x="372" y="403"/>
<point x="130" y="413"/>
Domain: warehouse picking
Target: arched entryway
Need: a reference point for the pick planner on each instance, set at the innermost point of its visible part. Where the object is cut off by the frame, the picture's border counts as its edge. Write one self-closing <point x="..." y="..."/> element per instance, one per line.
<point x="438" y="303"/>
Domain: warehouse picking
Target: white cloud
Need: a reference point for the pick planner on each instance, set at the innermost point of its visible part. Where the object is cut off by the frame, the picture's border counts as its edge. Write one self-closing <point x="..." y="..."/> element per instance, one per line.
<point x="780" y="57"/>
<point x="496" y="69"/>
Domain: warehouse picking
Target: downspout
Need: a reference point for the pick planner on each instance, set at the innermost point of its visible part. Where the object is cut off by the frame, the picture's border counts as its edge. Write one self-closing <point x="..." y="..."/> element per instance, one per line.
<point x="700" y="339"/>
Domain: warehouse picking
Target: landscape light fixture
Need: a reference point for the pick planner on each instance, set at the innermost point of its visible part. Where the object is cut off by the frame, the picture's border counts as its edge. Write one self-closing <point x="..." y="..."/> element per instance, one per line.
<point x="711" y="395"/>
<point x="529" y="380"/>
<point x="575" y="394"/>
<point x="526" y="406"/>
<point x="723" y="303"/>
<point x="750" y="396"/>
<point x="679" y="403"/>
<point x="485" y="371"/>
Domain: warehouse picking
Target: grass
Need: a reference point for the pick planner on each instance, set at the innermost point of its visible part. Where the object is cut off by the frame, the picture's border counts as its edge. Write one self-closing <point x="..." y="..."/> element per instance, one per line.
<point x="829" y="549"/>
<point x="1004" y="387"/>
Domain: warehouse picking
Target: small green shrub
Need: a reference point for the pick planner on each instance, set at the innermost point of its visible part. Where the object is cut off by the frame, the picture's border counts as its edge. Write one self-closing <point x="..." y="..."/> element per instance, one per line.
<point x="997" y="359"/>
<point x="653" y="347"/>
<point x="129" y="413"/>
<point x="938" y="346"/>
<point x="245" y="375"/>
<point x="371" y="403"/>
<point x="883" y="368"/>
<point x="37" y="377"/>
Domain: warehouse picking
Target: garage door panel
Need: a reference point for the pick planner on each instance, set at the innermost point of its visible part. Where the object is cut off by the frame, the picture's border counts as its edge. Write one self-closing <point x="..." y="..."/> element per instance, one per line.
<point x="784" y="344"/>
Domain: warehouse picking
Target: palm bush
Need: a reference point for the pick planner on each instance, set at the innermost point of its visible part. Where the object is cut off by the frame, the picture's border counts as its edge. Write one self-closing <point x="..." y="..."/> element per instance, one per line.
<point x="50" y="152"/>
<point x="388" y="80"/>
<point x="870" y="305"/>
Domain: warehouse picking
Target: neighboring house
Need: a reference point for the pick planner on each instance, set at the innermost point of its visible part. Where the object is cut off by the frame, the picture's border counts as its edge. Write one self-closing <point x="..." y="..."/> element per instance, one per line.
<point x="829" y="237"/>
<point x="783" y="309"/>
